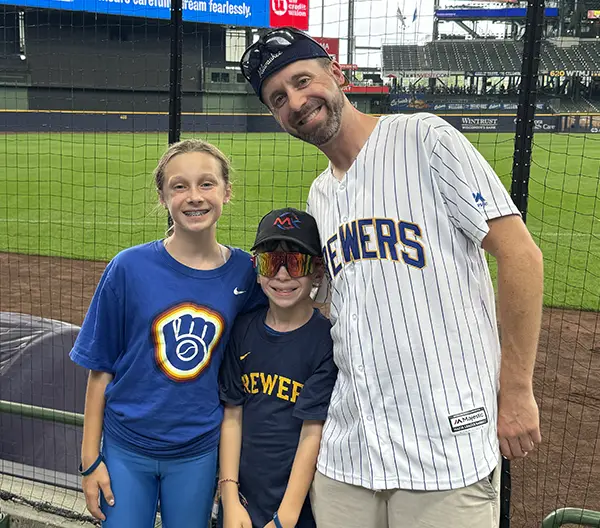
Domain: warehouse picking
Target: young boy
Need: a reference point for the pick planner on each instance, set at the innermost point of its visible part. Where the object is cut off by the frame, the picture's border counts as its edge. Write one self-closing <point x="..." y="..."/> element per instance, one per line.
<point x="276" y="381"/>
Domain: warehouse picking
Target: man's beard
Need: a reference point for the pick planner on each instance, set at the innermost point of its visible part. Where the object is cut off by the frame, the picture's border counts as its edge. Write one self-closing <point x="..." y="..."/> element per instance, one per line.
<point x="326" y="131"/>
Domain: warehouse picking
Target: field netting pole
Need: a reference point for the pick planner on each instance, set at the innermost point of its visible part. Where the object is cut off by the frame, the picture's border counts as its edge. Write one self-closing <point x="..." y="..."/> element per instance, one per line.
<point x="527" y="101"/>
<point x="519" y="189"/>
<point x="175" y="71"/>
<point x="175" y="76"/>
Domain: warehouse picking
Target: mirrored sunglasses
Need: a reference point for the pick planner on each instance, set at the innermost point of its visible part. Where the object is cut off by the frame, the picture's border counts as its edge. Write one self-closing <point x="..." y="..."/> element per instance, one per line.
<point x="297" y="264"/>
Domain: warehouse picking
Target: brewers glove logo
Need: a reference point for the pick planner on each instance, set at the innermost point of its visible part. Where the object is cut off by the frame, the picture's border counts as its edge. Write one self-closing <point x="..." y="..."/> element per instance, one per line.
<point x="185" y="337"/>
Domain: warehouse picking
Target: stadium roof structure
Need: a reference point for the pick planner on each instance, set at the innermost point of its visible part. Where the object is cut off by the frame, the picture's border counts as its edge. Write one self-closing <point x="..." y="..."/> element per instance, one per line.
<point x="490" y="58"/>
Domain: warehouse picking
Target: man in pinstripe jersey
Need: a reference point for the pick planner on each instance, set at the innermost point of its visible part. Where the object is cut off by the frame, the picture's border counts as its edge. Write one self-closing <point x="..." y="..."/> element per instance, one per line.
<point x="426" y="398"/>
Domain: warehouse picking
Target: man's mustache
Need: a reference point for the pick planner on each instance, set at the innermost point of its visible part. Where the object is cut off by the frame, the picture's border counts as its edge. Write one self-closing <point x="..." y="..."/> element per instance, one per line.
<point x="306" y="110"/>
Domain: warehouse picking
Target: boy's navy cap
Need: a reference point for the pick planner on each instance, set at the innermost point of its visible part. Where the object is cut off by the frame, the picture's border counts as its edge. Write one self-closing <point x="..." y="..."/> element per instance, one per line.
<point x="291" y="225"/>
<point x="301" y="49"/>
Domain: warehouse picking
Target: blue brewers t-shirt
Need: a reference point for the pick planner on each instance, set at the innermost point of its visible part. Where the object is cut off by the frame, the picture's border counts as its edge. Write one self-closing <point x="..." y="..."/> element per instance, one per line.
<point x="160" y="328"/>
<point x="280" y="380"/>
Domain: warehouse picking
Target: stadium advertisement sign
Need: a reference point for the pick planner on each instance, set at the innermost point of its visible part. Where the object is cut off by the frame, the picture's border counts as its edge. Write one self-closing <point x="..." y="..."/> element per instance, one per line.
<point x="331" y="45"/>
<point x="488" y="14"/>
<point x="289" y="13"/>
<point x="479" y="124"/>
<point x="252" y="13"/>
<point x="574" y="73"/>
<point x="400" y="102"/>
<point x="495" y="73"/>
<point x="499" y="123"/>
<point x="580" y="123"/>
<point x="365" y="89"/>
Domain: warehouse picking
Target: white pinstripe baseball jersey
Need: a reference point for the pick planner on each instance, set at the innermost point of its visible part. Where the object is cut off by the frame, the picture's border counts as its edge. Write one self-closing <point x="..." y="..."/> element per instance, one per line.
<point x="412" y="307"/>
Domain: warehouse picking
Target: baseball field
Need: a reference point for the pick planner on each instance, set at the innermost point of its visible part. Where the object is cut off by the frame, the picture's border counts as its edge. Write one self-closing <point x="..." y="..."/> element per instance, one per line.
<point x="87" y="196"/>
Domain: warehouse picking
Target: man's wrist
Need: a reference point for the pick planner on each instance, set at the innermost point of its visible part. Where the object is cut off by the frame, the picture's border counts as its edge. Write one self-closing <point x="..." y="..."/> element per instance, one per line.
<point x="516" y="384"/>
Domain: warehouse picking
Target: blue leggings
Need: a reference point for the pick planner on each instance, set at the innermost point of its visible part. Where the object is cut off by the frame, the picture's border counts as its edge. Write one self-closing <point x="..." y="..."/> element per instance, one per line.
<point x="184" y="487"/>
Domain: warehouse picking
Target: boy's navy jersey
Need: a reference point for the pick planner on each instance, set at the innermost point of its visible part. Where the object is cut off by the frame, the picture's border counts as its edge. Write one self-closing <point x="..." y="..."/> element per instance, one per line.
<point x="160" y="328"/>
<point x="280" y="380"/>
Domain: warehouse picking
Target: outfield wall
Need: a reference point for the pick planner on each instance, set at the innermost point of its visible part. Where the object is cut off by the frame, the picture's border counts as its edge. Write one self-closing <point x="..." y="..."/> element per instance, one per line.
<point x="61" y="121"/>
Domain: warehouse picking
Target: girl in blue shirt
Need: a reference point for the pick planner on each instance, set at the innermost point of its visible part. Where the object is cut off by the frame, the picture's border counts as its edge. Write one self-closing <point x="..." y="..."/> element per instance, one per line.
<point x="153" y="340"/>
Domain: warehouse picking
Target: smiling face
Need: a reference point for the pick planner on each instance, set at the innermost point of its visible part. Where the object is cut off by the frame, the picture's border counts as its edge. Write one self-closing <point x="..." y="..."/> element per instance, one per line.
<point x="194" y="191"/>
<point x="306" y="99"/>
<point x="283" y="290"/>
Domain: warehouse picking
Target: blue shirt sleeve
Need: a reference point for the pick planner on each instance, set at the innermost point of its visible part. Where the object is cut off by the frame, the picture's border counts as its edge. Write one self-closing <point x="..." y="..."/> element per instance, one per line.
<point x="313" y="401"/>
<point x="231" y="389"/>
<point x="100" y="340"/>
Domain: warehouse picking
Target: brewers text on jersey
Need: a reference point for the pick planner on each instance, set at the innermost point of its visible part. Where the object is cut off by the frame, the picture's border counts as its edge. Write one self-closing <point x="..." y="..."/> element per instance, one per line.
<point x="374" y="238"/>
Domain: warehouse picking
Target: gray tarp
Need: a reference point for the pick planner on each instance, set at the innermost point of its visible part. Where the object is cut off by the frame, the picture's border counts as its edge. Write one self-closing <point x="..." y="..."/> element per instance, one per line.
<point x="35" y="369"/>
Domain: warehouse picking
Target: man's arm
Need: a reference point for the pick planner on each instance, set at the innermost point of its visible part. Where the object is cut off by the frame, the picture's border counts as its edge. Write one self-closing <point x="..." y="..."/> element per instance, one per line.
<point x="303" y="472"/>
<point x="520" y="292"/>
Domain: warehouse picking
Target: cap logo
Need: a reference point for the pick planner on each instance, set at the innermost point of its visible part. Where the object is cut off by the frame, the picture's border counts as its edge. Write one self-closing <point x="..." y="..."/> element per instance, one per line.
<point x="265" y="65"/>
<point x="287" y="221"/>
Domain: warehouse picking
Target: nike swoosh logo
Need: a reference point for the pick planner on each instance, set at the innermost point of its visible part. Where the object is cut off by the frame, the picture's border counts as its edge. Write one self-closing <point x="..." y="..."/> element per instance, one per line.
<point x="245" y="356"/>
<point x="238" y="292"/>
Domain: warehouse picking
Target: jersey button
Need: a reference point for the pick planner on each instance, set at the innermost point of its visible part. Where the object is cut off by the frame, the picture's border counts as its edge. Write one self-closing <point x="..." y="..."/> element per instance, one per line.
<point x="354" y="317"/>
<point x="361" y="368"/>
<point x="369" y="418"/>
<point x="344" y="219"/>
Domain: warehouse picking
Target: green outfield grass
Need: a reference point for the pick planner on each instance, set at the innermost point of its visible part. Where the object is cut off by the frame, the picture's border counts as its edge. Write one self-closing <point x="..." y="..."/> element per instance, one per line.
<point x="90" y="195"/>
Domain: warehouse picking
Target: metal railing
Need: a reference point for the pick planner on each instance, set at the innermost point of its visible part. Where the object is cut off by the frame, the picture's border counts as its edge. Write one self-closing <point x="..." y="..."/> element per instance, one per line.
<point x="43" y="413"/>
<point x="572" y="516"/>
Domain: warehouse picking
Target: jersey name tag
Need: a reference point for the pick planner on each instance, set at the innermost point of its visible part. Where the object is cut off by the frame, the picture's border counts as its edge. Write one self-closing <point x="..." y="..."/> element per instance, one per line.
<point x="468" y="420"/>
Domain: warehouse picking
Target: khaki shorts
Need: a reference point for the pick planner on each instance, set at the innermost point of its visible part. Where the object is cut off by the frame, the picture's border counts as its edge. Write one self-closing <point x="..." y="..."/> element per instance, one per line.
<point x="340" y="505"/>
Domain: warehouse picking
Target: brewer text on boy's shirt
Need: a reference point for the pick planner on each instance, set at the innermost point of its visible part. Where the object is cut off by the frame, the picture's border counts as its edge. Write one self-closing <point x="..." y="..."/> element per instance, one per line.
<point x="159" y="327"/>
<point x="280" y="380"/>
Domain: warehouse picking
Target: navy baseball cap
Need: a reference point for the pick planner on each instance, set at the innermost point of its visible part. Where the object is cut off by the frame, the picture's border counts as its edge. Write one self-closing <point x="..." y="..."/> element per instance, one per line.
<point x="289" y="225"/>
<point x="275" y="50"/>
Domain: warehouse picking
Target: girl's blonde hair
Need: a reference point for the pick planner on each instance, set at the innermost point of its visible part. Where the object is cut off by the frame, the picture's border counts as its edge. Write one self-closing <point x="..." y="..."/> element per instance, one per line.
<point x="184" y="147"/>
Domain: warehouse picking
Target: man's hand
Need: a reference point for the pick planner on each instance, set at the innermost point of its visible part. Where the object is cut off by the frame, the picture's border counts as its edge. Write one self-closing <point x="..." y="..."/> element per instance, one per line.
<point x="92" y="485"/>
<point x="518" y="422"/>
<point x="236" y="516"/>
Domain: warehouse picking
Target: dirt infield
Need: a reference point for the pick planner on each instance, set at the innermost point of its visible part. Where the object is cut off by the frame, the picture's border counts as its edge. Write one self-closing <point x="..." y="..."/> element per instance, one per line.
<point x="564" y="471"/>
<point x="51" y="287"/>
